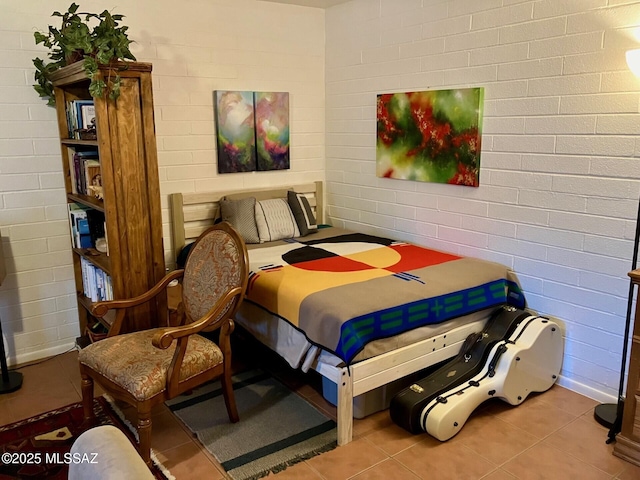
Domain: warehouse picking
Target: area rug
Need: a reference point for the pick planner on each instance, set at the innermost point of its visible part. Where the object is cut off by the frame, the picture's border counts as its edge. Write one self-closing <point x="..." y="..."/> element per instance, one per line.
<point x="277" y="427"/>
<point x="35" y="447"/>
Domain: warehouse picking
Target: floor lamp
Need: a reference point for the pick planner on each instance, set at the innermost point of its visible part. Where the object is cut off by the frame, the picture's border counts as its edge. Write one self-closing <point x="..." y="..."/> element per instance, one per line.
<point x="610" y="414"/>
<point x="11" y="381"/>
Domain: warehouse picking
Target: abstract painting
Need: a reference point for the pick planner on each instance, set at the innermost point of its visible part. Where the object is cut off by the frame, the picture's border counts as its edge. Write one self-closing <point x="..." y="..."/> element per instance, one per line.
<point x="272" y="130"/>
<point x="430" y="136"/>
<point x="236" y="136"/>
<point x="252" y="130"/>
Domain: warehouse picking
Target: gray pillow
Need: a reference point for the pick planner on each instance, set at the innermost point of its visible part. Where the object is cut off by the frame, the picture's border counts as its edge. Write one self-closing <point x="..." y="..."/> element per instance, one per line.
<point x="241" y="215"/>
<point x="275" y="220"/>
<point x="302" y="213"/>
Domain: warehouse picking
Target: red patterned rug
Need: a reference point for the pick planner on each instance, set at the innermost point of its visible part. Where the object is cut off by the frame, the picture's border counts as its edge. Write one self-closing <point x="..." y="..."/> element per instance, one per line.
<point x="38" y="444"/>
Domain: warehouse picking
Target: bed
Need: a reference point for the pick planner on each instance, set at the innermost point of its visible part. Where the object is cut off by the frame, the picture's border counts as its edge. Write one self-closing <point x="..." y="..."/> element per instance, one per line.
<point x="402" y="307"/>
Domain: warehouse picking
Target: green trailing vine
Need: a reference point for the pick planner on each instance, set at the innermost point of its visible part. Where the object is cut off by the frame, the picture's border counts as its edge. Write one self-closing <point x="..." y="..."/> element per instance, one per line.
<point x="105" y="43"/>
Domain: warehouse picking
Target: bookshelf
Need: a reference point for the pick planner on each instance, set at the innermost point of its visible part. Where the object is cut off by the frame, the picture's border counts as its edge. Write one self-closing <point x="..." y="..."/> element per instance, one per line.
<point x="128" y="197"/>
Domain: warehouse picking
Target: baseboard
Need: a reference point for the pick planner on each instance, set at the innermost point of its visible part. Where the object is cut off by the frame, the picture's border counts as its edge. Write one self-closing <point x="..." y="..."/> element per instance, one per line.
<point x="582" y="389"/>
<point x="627" y="449"/>
<point x="23" y="359"/>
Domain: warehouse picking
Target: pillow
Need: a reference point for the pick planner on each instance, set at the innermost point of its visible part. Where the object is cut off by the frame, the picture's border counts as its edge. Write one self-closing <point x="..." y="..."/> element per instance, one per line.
<point x="241" y="215"/>
<point x="302" y="212"/>
<point x="275" y="220"/>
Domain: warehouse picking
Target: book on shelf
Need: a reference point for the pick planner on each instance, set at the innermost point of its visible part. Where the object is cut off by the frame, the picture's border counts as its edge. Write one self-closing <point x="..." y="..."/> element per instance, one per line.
<point x="82" y="164"/>
<point x="77" y="214"/>
<point x="96" y="283"/>
<point x="88" y="116"/>
<point x="84" y="269"/>
<point x="84" y="236"/>
<point x="80" y="116"/>
<point x="87" y="226"/>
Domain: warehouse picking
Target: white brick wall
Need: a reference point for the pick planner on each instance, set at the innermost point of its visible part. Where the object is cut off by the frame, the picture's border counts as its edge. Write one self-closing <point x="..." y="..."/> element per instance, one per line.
<point x="225" y="44"/>
<point x="560" y="178"/>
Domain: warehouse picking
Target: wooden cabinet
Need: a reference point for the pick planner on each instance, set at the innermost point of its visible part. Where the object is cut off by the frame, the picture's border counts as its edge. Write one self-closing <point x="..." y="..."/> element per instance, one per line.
<point x="627" y="444"/>
<point x="130" y="201"/>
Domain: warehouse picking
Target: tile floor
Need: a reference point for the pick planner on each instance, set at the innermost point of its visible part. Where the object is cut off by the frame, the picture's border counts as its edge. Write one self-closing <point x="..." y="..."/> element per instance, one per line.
<point x="550" y="436"/>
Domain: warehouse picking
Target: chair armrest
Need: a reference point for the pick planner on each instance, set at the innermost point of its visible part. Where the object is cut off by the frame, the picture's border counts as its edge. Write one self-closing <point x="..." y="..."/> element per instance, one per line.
<point x="219" y="316"/>
<point x="166" y="336"/>
<point x="100" y="309"/>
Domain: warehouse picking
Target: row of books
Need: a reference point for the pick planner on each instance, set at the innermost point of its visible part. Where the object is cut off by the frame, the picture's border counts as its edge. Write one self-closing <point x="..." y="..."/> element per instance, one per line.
<point x="96" y="283"/>
<point x="81" y="114"/>
<point x="84" y="168"/>
<point x="87" y="225"/>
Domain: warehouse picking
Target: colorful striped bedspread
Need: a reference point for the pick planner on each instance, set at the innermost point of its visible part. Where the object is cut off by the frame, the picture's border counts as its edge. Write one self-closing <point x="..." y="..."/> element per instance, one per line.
<point x="345" y="289"/>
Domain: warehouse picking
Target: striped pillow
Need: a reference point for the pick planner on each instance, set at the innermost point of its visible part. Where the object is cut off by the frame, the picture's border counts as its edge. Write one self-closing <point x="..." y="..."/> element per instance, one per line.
<point x="275" y="220"/>
<point x="302" y="212"/>
<point x="241" y="214"/>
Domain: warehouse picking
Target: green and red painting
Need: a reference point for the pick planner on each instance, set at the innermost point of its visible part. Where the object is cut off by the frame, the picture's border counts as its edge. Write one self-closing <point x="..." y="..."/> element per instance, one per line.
<point x="430" y="136"/>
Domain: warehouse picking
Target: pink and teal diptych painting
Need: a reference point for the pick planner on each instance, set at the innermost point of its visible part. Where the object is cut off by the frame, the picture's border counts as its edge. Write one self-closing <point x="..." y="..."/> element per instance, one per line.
<point x="252" y="130"/>
<point x="430" y="136"/>
<point x="272" y="130"/>
<point x="236" y="133"/>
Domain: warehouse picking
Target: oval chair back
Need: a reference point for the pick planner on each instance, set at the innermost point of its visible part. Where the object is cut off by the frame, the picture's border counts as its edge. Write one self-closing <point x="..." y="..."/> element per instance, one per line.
<point x="217" y="263"/>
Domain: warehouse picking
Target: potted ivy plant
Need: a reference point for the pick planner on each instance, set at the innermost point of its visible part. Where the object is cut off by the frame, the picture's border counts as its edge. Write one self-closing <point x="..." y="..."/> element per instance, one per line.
<point x="76" y="40"/>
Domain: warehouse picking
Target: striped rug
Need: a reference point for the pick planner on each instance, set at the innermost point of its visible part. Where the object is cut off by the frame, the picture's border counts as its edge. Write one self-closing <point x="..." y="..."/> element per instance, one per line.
<point x="277" y="427"/>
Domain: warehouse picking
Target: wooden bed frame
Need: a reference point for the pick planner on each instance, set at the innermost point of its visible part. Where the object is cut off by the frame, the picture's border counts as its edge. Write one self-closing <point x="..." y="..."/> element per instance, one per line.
<point x="192" y="213"/>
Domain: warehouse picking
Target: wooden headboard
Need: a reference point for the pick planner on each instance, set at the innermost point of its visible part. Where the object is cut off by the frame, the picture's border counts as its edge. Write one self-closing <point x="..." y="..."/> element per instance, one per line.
<point x="193" y="213"/>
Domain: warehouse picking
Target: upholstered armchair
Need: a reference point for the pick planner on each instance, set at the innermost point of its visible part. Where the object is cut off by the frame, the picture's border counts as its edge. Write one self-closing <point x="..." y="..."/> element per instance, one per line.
<point x="148" y="367"/>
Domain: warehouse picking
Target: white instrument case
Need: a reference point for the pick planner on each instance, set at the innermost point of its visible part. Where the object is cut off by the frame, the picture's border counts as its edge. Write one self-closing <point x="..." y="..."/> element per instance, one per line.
<point x="528" y="361"/>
